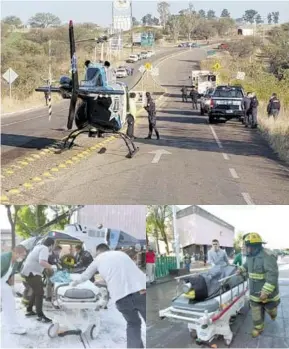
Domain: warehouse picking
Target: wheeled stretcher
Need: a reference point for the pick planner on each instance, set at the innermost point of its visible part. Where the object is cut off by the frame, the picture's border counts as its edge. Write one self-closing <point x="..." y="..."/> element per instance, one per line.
<point x="78" y="309"/>
<point x="212" y="317"/>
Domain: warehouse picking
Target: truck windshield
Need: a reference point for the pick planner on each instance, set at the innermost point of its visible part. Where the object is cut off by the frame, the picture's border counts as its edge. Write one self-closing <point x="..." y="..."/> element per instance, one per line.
<point x="228" y="93"/>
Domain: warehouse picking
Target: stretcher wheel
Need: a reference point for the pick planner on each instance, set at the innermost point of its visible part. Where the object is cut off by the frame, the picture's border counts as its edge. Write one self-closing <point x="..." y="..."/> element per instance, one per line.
<point x="228" y="341"/>
<point x="53" y="330"/>
<point x="95" y="329"/>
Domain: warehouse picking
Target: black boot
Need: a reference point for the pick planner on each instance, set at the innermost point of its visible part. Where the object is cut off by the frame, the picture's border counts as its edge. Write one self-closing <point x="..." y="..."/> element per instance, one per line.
<point x="43" y="318"/>
<point x="148" y="137"/>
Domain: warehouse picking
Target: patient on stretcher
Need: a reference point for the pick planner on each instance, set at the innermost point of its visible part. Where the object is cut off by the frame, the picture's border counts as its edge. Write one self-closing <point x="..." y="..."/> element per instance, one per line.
<point x="206" y="285"/>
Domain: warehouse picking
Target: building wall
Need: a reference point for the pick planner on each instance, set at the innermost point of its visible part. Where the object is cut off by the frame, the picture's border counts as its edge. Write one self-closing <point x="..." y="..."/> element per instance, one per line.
<point x="6" y="240"/>
<point x="129" y="218"/>
<point x="196" y="229"/>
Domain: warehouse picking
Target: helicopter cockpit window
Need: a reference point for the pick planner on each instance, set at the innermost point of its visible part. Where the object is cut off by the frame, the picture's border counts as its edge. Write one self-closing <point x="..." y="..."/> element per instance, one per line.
<point x="92" y="78"/>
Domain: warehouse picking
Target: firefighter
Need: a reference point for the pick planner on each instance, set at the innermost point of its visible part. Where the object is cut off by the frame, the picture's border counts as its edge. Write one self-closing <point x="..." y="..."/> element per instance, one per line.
<point x="262" y="269"/>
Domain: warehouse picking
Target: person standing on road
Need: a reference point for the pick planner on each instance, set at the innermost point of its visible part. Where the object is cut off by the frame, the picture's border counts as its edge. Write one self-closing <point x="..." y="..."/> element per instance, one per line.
<point x="217" y="256"/>
<point x="131" y="116"/>
<point x="33" y="268"/>
<point x="246" y="105"/>
<point x="254" y="110"/>
<point x="194" y="96"/>
<point x="10" y="265"/>
<point x="151" y="109"/>
<point x="262" y="269"/>
<point x="150" y="264"/>
<point x="187" y="261"/>
<point x="184" y="91"/>
<point x="131" y="71"/>
<point x="274" y="106"/>
<point x="126" y="285"/>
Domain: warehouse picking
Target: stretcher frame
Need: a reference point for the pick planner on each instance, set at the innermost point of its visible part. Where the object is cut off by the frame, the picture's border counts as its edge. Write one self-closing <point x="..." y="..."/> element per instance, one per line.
<point x="204" y="327"/>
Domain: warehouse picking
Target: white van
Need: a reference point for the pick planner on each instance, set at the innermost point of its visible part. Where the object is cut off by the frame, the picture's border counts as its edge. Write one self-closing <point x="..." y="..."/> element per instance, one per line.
<point x="132" y="59"/>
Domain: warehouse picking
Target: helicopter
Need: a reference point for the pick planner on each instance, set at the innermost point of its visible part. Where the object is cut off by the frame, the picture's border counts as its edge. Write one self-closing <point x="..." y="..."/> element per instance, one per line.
<point x="98" y="104"/>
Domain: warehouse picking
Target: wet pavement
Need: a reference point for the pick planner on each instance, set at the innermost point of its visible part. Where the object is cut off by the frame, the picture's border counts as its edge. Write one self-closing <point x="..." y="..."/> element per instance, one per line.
<point x="169" y="334"/>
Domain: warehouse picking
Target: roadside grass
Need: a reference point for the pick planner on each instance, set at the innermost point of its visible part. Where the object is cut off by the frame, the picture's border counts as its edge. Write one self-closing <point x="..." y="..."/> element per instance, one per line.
<point x="276" y="132"/>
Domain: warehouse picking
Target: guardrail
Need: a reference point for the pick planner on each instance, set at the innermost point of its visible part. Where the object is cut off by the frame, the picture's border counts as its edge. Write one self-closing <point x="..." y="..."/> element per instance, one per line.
<point x="164" y="265"/>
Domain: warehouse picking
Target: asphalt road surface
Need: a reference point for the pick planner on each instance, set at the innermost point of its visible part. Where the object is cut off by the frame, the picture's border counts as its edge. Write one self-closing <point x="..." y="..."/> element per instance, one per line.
<point x="165" y="333"/>
<point x="193" y="162"/>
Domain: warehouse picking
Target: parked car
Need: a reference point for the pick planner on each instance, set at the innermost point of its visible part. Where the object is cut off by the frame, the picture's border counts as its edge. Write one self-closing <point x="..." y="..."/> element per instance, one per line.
<point x="152" y="53"/>
<point x="121" y="73"/>
<point x="226" y="103"/>
<point x="144" y="55"/>
<point x="132" y="59"/>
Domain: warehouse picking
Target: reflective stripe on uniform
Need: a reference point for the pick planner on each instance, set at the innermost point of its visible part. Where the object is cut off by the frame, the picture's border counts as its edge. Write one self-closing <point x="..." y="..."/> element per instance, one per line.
<point x="257" y="276"/>
<point x="258" y="300"/>
<point x="268" y="288"/>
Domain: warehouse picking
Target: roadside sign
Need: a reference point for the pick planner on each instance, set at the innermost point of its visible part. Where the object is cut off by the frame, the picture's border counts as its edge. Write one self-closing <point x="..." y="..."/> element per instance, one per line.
<point x="142" y="69"/>
<point x="148" y="66"/>
<point x="10" y="76"/>
<point x="240" y="75"/>
<point x="217" y="66"/>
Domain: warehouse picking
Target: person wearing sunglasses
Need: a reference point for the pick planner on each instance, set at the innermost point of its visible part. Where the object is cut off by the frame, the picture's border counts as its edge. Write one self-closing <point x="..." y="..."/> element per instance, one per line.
<point x="217" y="256"/>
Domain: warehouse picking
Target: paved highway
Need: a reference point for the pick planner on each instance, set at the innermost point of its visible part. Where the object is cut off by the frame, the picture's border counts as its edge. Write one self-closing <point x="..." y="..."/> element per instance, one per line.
<point x="192" y="162"/>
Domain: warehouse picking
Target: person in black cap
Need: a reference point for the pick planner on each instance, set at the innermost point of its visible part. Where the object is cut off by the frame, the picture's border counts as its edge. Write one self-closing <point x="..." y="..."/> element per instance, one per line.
<point x="151" y="109"/>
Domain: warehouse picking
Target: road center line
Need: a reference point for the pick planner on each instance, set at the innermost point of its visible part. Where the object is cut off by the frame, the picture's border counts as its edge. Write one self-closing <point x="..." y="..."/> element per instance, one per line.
<point x="225" y="156"/>
<point x="233" y="173"/>
<point x="216" y="137"/>
<point x="247" y="198"/>
<point x="35" y="117"/>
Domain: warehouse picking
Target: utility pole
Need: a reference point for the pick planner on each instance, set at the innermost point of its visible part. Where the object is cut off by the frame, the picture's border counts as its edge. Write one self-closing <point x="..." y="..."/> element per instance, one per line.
<point x="176" y="237"/>
<point x="50" y="81"/>
<point x="131" y="26"/>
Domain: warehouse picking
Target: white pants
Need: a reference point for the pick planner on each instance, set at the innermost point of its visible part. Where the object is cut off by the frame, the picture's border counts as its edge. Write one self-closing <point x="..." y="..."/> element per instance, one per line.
<point x="151" y="271"/>
<point x="8" y="306"/>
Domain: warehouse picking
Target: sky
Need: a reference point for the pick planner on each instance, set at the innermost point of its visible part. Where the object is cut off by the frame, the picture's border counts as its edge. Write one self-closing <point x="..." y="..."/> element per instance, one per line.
<point x="100" y="12"/>
<point x="271" y="222"/>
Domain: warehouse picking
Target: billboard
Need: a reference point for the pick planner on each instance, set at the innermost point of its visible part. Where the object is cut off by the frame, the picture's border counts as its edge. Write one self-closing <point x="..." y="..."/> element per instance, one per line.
<point x="121" y="4"/>
<point x="122" y="22"/>
<point x="147" y="39"/>
<point x="137" y="38"/>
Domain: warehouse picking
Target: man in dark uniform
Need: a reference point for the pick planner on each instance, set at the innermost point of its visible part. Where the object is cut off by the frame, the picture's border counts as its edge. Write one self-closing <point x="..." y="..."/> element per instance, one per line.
<point x="274" y="106"/>
<point x="246" y="104"/>
<point x="83" y="259"/>
<point x="184" y="91"/>
<point x="151" y="109"/>
<point x="194" y="95"/>
<point x="254" y="110"/>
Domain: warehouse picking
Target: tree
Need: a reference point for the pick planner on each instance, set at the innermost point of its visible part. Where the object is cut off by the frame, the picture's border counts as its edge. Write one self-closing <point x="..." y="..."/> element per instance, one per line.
<point x="211" y="14"/>
<point x="44" y="20"/>
<point x="30" y="218"/>
<point x="275" y="16"/>
<point x="189" y="20"/>
<point x="174" y="26"/>
<point x="156" y="21"/>
<point x="225" y="13"/>
<point x="12" y="217"/>
<point x="157" y="218"/>
<point x="204" y="31"/>
<point x="269" y="18"/>
<point x="249" y="16"/>
<point x="258" y="19"/>
<point x="202" y="14"/>
<point x="135" y="22"/>
<point x="12" y="20"/>
<point x="238" y="241"/>
<point x="148" y="19"/>
<point x="164" y="12"/>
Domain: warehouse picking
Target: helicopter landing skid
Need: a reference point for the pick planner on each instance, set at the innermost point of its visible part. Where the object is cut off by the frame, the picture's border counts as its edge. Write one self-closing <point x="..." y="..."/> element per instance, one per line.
<point x="92" y="132"/>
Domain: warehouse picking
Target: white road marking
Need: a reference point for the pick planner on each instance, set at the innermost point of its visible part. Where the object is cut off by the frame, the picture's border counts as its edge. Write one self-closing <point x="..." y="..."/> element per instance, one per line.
<point x="233" y="172"/>
<point x="35" y="117"/>
<point x="225" y="156"/>
<point x="216" y="137"/>
<point x="158" y="155"/>
<point x="248" y="199"/>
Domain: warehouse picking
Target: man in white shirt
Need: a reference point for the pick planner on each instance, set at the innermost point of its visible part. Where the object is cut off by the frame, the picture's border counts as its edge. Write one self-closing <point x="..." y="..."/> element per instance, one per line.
<point x="217" y="256"/>
<point x="33" y="268"/>
<point x="126" y="285"/>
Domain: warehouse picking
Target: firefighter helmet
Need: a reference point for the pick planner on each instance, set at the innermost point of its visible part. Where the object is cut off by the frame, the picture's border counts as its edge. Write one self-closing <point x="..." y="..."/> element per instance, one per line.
<point x="253" y="238"/>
